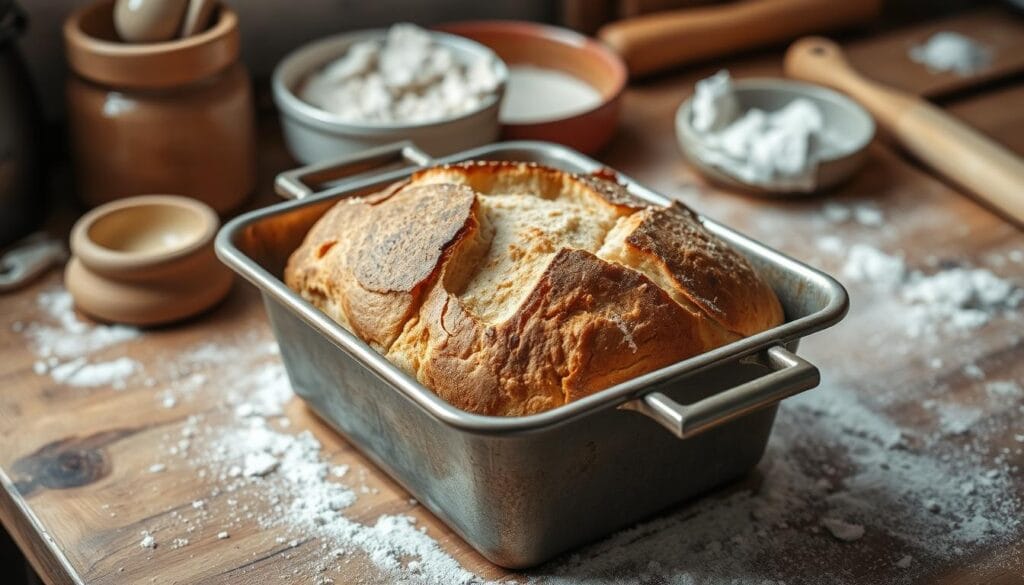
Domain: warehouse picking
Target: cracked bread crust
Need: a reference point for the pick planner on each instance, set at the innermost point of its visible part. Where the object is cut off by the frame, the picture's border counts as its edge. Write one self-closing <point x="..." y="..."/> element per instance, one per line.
<point x="604" y="286"/>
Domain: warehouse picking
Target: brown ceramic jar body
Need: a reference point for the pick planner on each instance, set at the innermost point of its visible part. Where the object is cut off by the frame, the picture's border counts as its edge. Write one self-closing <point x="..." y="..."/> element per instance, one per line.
<point x="174" y="117"/>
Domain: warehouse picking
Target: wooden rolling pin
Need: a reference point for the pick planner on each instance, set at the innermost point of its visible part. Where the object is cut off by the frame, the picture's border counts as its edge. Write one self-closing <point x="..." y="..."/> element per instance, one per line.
<point x="942" y="142"/>
<point x="661" y="40"/>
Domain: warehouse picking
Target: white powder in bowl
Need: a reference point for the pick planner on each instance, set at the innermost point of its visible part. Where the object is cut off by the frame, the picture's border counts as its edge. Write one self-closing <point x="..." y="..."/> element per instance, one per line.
<point x="537" y="94"/>
<point x="951" y="51"/>
<point x="780" y="149"/>
<point x="405" y="78"/>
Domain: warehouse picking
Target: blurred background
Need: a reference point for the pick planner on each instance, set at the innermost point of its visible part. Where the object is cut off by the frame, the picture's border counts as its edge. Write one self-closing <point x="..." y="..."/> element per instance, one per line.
<point x="271" y="28"/>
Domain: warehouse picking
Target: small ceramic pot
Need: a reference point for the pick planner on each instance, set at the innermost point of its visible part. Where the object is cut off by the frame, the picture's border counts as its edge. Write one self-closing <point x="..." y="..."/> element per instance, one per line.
<point x="146" y="260"/>
<point x="169" y="117"/>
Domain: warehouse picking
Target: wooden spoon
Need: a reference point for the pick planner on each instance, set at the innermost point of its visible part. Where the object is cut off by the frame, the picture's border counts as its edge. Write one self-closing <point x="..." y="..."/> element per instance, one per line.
<point x="197" y="17"/>
<point x="148" y="21"/>
<point x="939" y="140"/>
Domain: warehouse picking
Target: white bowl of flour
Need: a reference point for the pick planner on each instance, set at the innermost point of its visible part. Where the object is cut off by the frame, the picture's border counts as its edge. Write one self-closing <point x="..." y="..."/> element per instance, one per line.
<point x="358" y="90"/>
<point x="773" y="136"/>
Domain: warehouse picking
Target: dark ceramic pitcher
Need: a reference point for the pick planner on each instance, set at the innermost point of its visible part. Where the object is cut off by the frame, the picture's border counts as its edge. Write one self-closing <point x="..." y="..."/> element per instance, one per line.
<point x="21" y="194"/>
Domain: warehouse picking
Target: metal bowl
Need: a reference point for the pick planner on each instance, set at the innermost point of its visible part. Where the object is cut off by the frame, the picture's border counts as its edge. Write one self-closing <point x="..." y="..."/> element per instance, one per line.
<point x="312" y="134"/>
<point x="842" y="115"/>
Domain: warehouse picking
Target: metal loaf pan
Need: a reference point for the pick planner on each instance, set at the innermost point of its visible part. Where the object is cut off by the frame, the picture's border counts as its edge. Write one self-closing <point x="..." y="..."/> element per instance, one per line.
<point x="520" y="490"/>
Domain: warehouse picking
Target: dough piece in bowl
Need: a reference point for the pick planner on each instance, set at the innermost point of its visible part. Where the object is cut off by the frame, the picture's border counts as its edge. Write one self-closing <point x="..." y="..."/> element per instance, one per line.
<point x="512" y="288"/>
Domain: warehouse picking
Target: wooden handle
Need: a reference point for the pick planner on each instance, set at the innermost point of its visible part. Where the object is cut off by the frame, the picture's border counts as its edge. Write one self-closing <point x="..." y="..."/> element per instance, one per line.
<point x="657" y="41"/>
<point x="942" y="142"/>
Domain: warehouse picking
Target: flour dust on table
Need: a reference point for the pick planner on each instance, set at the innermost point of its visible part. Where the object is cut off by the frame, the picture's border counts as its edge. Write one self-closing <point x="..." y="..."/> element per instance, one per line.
<point x="838" y="474"/>
<point x="64" y="343"/>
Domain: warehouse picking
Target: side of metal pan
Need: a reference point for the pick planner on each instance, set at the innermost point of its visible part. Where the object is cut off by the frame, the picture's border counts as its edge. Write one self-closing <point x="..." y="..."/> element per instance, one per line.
<point x="523" y="489"/>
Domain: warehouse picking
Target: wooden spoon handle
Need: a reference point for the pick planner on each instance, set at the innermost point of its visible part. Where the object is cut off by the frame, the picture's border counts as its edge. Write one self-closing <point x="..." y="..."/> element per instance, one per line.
<point x="942" y="142"/>
<point x="664" y="39"/>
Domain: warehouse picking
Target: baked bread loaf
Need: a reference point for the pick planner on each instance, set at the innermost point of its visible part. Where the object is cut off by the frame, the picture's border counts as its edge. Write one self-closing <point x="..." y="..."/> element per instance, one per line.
<point x="513" y="288"/>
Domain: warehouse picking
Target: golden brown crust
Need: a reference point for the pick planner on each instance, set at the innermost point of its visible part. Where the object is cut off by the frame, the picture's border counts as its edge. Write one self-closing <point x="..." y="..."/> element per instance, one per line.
<point x="709" y="272"/>
<point x="374" y="255"/>
<point x="410" y="270"/>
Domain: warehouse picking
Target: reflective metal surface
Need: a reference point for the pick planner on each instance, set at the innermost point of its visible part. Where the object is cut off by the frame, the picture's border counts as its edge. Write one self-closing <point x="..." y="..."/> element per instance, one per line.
<point x="523" y="489"/>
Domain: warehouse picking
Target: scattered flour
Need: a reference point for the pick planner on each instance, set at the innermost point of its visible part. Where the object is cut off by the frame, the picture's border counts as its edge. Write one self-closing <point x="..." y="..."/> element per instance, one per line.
<point x="406" y="78"/>
<point x="869" y="264"/>
<point x="951" y="51"/>
<point x="70" y="337"/>
<point x="779" y="149"/>
<point x="836" y="469"/>
<point x="1005" y="389"/>
<point x="147" y="540"/>
<point x="865" y="214"/>
<point x="80" y="372"/>
<point x="65" y="344"/>
<point x="952" y="299"/>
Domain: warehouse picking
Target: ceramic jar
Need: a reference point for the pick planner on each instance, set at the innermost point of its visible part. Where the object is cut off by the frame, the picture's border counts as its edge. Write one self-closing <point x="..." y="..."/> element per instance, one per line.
<point x="167" y="117"/>
<point x="21" y="205"/>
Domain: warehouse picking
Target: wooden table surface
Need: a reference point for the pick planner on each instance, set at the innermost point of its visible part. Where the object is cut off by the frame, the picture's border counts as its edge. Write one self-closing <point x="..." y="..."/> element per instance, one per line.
<point x="77" y="463"/>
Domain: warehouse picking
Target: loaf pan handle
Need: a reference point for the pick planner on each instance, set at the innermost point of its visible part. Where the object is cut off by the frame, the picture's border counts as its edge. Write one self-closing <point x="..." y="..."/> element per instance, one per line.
<point x="791" y="375"/>
<point x="299" y="183"/>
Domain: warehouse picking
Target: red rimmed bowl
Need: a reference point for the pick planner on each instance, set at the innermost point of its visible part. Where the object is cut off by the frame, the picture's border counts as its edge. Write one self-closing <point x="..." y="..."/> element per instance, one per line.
<point x="550" y="47"/>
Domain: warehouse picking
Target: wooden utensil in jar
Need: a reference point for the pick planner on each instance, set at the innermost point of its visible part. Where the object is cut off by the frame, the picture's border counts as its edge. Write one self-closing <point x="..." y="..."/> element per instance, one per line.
<point x="661" y="40"/>
<point x="197" y="17"/>
<point x="148" y="21"/>
<point x="942" y="142"/>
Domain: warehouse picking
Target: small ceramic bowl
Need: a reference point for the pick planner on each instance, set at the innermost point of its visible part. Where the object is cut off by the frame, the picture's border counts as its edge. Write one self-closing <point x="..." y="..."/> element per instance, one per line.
<point x="550" y="47"/>
<point x="146" y="260"/>
<point x="842" y="116"/>
<point x="313" y="135"/>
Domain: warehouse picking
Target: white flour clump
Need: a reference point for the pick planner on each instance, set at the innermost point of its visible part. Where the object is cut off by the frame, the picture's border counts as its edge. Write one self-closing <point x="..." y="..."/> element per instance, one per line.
<point x="79" y="372"/>
<point x="951" y="51"/>
<point x="954" y="299"/>
<point x="406" y="78"/>
<point x="868" y="264"/>
<point x="70" y="337"/>
<point x="867" y="215"/>
<point x="780" y="149"/>
<point x="958" y="298"/>
<point x="65" y="344"/>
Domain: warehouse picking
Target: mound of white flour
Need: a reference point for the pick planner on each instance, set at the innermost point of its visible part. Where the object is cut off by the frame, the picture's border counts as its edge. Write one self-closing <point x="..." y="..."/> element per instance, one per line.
<point x="953" y="299"/>
<point x="406" y="78"/>
<point x="951" y="51"/>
